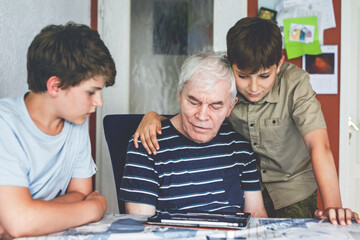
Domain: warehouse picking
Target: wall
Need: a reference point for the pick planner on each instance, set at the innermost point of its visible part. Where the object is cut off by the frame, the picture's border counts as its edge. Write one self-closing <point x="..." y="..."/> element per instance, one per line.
<point x="20" y="21"/>
<point x="114" y="28"/>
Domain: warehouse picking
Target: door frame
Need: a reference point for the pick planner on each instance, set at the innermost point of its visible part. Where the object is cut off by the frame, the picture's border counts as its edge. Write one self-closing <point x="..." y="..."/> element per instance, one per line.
<point x="345" y="85"/>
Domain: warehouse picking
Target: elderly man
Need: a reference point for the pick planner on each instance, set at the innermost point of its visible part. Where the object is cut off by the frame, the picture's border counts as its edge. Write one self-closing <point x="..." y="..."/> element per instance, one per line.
<point x="203" y="165"/>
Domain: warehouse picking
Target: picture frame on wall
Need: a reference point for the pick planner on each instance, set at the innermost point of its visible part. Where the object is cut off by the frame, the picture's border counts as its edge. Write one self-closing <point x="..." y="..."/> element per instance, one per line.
<point x="170" y="28"/>
<point x="322" y="69"/>
<point x="266" y="13"/>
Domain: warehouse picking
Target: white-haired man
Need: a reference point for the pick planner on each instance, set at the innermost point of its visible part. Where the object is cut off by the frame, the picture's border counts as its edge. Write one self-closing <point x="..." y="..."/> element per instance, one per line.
<point x="204" y="165"/>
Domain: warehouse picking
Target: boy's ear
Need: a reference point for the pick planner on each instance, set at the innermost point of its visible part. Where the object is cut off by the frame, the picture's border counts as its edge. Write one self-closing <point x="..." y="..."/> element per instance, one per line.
<point x="52" y="85"/>
<point x="280" y="63"/>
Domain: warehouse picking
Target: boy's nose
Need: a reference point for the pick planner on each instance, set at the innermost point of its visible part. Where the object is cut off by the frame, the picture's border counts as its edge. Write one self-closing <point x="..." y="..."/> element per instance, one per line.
<point x="253" y="86"/>
<point x="98" y="101"/>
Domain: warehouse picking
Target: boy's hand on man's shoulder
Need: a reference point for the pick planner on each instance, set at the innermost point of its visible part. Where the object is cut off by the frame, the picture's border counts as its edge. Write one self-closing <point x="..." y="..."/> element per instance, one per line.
<point x="147" y="131"/>
<point x="100" y="203"/>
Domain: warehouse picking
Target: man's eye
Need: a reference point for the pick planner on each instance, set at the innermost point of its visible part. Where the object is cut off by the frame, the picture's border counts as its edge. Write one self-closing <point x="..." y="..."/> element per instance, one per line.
<point x="265" y="76"/>
<point x="91" y="93"/>
<point x="194" y="102"/>
<point x="216" y="106"/>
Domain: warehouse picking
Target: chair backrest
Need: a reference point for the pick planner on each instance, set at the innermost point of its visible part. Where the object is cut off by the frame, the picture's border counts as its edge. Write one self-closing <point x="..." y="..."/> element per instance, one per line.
<point x="118" y="129"/>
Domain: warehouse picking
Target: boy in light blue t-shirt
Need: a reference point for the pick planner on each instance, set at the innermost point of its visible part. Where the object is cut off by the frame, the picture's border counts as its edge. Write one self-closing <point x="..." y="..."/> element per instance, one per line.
<point x="46" y="166"/>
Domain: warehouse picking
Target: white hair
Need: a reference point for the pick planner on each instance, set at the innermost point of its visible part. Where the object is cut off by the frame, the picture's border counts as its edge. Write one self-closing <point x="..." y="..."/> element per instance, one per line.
<point x="200" y="66"/>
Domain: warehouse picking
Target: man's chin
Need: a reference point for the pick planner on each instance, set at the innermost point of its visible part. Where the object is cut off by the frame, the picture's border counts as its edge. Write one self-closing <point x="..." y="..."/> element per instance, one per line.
<point x="201" y="139"/>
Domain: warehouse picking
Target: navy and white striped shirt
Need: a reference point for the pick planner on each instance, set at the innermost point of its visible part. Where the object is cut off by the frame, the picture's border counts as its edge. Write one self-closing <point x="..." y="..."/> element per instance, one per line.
<point x="185" y="175"/>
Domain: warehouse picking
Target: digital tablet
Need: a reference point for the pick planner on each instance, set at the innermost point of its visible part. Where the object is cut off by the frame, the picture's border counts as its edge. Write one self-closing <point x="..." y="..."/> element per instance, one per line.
<point x="200" y="219"/>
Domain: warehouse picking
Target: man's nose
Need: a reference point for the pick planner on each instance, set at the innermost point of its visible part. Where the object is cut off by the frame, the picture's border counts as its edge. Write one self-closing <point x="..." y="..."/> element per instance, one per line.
<point x="203" y="113"/>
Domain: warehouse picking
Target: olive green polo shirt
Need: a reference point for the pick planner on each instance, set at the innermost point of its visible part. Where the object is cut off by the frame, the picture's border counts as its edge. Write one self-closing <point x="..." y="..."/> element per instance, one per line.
<point x="275" y="127"/>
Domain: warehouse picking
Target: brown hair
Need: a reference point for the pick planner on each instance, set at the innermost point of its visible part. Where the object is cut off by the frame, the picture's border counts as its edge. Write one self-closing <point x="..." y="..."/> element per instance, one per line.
<point x="73" y="53"/>
<point x="254" y="43"/>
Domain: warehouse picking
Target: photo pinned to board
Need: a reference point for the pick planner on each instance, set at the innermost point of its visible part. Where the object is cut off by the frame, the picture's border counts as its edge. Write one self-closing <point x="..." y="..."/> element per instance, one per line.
<point x="323" y="69"/>
<point x="302" y="33"/>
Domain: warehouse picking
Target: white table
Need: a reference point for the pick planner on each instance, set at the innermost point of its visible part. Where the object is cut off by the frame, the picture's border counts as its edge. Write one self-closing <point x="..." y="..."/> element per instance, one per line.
<point x="123" y="226"/>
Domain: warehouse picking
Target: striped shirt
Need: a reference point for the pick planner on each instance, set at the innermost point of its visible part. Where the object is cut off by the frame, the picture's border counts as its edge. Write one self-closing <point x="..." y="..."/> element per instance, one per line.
<point x="185" y="175"/>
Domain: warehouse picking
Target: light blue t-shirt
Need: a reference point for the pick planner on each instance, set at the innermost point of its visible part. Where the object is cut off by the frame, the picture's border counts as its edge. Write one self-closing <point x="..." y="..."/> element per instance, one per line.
<point x="44" y="164"/>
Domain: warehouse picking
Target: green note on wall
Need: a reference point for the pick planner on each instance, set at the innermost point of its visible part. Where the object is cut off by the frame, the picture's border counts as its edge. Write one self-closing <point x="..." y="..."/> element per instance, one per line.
<point x="301" y="37"/>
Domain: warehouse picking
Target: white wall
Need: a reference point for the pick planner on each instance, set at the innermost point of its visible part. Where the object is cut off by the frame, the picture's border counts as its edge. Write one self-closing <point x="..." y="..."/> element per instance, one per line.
<point x="20" y="21"/>
<point x="114" y="28"/>
<point x="226" y="14"/>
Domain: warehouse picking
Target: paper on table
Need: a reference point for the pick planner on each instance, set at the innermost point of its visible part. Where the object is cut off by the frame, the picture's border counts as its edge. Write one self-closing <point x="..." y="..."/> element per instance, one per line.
<point x="300" y="44"/>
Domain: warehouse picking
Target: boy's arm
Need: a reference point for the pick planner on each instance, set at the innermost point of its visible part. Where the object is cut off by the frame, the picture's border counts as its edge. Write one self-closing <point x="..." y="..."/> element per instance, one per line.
<point x="254" y="204"/>
<point x="147" y="130"/>
<point x="21" y="215"/>
<point x="139" y="208"/>
<point x="317" y="142"/>
<point x="3" y="234"/>
<point x="77" y="190"/>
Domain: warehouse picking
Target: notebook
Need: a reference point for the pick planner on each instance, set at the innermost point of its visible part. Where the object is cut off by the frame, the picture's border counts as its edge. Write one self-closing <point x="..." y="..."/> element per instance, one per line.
<point x="200" y="219"/>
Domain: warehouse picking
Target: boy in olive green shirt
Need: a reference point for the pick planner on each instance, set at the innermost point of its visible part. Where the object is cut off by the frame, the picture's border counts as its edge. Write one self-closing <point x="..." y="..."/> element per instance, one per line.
<point x="279" y="114"/>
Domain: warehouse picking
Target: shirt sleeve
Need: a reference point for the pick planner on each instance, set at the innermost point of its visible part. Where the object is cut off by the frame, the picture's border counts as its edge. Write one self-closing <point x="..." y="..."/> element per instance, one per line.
<point x="13" y="164"/>
<point x="84" y="166"/>
<point x="140" y="181"/>
<point x="250" y="178"/>
<point x="306" y="111"/>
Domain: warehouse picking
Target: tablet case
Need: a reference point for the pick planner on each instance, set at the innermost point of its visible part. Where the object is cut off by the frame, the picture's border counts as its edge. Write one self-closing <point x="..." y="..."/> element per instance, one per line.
<point x="200" y="219"/>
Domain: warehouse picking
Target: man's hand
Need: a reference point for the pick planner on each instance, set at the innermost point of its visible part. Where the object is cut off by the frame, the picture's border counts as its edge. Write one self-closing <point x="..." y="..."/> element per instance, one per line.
<point x="147" y="130"/>
<point x="343" y="216"/>
<point x="101" y="204"/>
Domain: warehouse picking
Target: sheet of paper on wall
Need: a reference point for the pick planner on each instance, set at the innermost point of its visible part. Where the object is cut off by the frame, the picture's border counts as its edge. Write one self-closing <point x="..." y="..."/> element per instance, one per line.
<point x="301" y="37"/>
<point x="323" y="9"/>
<point x="322" y="69"/>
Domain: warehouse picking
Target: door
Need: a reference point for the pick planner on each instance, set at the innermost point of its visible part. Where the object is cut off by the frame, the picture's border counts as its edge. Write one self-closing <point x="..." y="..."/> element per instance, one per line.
<point x="349" y="161"/>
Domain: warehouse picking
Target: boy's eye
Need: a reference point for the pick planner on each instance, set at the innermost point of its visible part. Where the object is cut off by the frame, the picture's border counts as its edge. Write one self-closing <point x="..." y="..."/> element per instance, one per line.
<point x="91" y="93"/>
<point x="242" y="76"/>
<point x="265" y="76"/>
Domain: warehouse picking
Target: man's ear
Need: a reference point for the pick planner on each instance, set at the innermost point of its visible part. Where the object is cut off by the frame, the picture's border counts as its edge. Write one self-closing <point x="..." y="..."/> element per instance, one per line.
<point x="232" y="106"/>
<point x="52" y="85"/>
